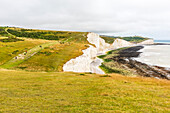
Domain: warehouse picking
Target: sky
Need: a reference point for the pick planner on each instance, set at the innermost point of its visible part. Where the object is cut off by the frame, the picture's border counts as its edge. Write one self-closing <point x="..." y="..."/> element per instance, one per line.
<point x="148" y="18"/>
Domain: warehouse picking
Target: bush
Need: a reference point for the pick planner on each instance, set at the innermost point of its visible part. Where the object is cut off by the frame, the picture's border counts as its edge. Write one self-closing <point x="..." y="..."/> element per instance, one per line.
<point x="36" y="35"/>
<point x="109" y="70"/>
<point x="107" y="60"/>
<point x="10" y="39"/>
<point x="16" y="51"/>
<point x="105" y="76"/>
<point x="82" y="74"/>
<point x="101" y="56"/>
<point x="46" y="53"/>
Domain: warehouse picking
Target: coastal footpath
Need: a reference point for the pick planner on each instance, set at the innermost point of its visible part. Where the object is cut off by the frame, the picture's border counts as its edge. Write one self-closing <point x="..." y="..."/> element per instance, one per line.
<point x="89" y="62"/>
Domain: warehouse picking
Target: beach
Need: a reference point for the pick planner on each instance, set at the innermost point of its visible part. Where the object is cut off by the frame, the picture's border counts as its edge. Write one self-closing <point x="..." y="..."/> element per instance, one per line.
<point x="130" y="58"/>
<point x="155" y="55"/>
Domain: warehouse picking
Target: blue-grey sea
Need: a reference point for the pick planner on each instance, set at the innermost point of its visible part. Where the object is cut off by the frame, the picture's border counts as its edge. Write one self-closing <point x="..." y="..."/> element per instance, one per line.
<point x="162" y="41"/>
<point x="156" y="54"/>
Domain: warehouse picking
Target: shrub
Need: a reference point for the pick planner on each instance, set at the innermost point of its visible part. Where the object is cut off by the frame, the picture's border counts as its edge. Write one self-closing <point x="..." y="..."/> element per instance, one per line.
<point x="16" y="51"/>
<point x="109" y="70"/>
<point x="10" y="39"/>
<point x="105" y="76"/>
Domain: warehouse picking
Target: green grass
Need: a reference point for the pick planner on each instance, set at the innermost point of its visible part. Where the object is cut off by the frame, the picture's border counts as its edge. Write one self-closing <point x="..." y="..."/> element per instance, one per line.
<point x="107" y="69"/>
<point x="8" y="50"/>
<point x="108" y="40"/>
<point x="10" y="39"/>
<point x="3" y="33"/>
<point x="133" y="39"/>
<point x="112" y="52"/>
<point x="72" y="92"/>
<point x="53" y="58"/>
<point x="110" y="66"/>
<point x="64" y="36"/>
<point x="101" y="56"/>
<point x="25" y="56"/>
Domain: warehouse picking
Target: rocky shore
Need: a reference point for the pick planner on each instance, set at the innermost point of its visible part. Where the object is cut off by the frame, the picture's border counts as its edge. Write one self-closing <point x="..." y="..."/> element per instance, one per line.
<point x="161" y="44"/>
<point x="125" y="58"/>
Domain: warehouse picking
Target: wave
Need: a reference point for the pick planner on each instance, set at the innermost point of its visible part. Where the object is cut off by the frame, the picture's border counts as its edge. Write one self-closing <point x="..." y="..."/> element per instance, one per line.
<point x="155" y="55"/>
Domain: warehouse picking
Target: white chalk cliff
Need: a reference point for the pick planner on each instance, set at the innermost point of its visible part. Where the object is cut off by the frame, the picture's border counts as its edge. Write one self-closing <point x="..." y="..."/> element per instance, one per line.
<point x="88" y="62"/>
<point x="100" y="43"/>
<point x="149" y="41"/>
<point x="119" y="43"/>
<point x="82" y="63"/>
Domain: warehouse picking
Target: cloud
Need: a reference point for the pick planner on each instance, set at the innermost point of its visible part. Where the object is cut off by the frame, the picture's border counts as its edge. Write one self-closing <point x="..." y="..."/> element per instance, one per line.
<point x="114" y="17"/>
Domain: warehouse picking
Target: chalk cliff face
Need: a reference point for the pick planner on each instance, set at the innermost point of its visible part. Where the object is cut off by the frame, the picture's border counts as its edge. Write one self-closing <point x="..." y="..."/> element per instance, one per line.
<point x="88" y="62"/>
<point x="150" y="41"/>
<point x="100" y="43"/>
<point x="82" y="63"/>
<point x="119" y="43"/>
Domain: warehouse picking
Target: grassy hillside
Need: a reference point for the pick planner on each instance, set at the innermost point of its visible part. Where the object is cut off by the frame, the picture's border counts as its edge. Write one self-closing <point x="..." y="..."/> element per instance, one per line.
<point x="3" y="32"/>
<point x="73" y="92"/>
<point x="133" y="39"/>
<point x="109" y="40"/>
<point x="15" y="41"/>
<point x="65" y="36"/>
<point x="25" y="56"/>
<point x="53" y="57"/>
<point x="11" y="49"/>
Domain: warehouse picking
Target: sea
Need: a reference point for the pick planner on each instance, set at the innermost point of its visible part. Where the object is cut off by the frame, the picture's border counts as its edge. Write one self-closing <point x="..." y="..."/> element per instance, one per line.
<point x="158" y="55"/>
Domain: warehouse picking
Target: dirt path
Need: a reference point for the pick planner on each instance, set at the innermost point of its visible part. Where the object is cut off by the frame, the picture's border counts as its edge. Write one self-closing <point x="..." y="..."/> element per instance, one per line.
<point x="26" y="55"/>
<point x="9" y="33"/>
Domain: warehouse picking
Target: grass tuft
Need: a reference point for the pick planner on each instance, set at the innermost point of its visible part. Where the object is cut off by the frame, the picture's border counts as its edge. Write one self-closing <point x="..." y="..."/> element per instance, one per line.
<point x="82" y="74"/>
<point x="105" y="76"/>
<point x="109" y="70"/>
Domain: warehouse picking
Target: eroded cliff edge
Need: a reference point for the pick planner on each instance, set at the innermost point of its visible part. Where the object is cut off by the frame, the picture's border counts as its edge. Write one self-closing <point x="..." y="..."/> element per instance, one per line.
<point x="89" y="62"/>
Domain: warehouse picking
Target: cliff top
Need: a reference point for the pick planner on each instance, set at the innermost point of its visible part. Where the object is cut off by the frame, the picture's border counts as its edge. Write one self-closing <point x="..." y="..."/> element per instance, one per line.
<point x="133" y="39"/>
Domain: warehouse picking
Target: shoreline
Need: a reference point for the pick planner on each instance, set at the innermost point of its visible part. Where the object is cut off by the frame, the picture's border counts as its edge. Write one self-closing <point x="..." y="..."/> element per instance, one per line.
<point x="161" y="44"/>
<point x="125" y="58"/>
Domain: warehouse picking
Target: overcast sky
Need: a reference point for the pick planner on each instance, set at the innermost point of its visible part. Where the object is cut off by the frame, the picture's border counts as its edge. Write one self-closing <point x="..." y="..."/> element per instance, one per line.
<point x="149" y="18"/>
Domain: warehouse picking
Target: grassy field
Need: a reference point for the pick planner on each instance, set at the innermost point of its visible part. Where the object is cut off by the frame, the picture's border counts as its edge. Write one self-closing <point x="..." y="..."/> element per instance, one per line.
<point x="53" y="58"/>
<point x="26" y="55"/>
<point x="64" y="36"/>
<point x="49" y="58"/>
<point x="74" y="92"/>
<point x="11" y="49"/>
